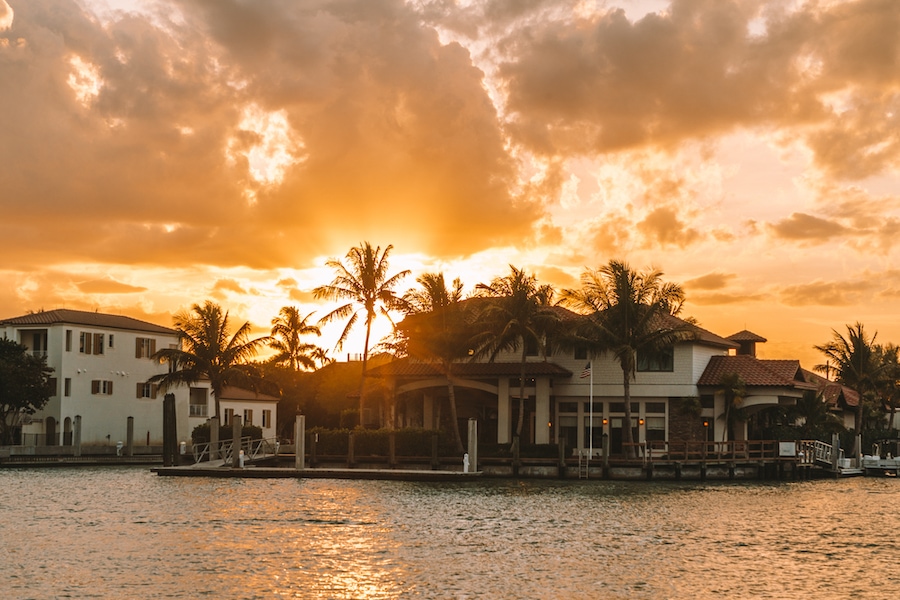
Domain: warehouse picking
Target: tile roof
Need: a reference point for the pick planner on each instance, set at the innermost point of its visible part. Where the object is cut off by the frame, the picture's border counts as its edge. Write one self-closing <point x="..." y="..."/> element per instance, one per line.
<point x="746" y="336"/>
<point x="236" y="393"/>
<point x="404" y="368"/>
<point x="87" y="318"/>
<point x="833" y="393"/>
<point x="755" y="372"/>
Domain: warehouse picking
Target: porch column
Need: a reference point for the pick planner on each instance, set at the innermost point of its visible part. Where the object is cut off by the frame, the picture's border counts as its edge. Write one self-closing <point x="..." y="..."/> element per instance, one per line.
<point x="542" y="411"/>
<point x="428" y="411"/>
<point x="503" y="425"/>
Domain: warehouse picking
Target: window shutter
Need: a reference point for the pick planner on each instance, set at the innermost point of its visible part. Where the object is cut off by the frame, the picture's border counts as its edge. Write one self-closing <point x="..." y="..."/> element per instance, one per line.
<point x="137" y="347"/>
<point x="98" y="343"/>
<point x="152" y="347"/>
<point x="110" y="387"/>
<point x="87" y="343"/>
<point x="95" y="386"/>
<point x="140" y="390"/>
<point x="154" y="388"/>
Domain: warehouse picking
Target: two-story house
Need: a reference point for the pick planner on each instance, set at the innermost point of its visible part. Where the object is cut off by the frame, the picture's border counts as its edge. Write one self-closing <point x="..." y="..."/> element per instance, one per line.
<point x="101" y="367"/>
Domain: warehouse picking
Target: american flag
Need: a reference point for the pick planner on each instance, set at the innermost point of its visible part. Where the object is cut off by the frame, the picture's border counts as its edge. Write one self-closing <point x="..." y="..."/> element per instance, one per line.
<point x="587" y="371"/>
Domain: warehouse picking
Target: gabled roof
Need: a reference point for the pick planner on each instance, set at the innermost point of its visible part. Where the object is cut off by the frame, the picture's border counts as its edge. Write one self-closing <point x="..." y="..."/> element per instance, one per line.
<point x="405" y="368"/>
<point x="834" y="394"/>
<point x="755" y="372"/>
<point x="86" y="318"/>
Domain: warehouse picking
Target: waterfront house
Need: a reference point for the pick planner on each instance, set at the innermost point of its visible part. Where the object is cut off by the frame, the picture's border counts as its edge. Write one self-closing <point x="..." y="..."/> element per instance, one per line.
<point x="253" y="408"/>
<point x="101" y="367"/>
<point x="570" y="397"/>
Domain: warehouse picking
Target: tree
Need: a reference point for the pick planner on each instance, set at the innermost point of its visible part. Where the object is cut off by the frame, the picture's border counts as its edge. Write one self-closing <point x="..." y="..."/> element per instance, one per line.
<point x="436" y="330"/>
<point x="517" y="315"/>
<point x="287" y="330"/>
<point x="368" y="289"/>
<point x="734" y="390"/>
<point x="24" y="386"/>
<point x="888" y="382"/>
<point x="854" y="359"/>
<point x="628" y="313"/>
<point x="207" y="352"/>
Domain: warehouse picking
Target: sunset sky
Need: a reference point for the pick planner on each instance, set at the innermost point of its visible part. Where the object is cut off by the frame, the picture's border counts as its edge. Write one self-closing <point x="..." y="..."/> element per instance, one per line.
<point x="157" y="154"/>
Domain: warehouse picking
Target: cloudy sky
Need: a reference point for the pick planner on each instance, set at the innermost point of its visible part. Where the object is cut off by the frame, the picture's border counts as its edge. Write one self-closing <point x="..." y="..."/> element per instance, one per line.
<point x="157" y="154"/>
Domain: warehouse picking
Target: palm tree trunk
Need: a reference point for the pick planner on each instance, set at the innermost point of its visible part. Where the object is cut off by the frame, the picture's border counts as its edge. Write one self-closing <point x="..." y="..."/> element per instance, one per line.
<point x="521" y="418"/>
<point x="362" y="379"/>
<point x="627" y="437"/>
<point x="451" y="395"/>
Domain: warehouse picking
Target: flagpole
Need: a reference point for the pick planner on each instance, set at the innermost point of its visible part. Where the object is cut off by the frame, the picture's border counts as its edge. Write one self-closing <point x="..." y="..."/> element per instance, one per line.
<point x="591" y="427"/>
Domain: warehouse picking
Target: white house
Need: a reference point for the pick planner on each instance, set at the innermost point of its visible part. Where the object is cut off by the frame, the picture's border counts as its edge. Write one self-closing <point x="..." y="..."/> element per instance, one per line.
<point x="253" y="408"/>
<point x="101" y="367"/>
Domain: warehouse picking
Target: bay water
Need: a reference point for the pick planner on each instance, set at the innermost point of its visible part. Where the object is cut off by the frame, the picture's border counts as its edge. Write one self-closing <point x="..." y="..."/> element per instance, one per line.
<point x="124" y="532"/>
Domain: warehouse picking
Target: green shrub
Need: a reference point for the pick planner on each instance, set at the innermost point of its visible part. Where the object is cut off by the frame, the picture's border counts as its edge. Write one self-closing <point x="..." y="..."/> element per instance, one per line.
<point x="200" y="434"/>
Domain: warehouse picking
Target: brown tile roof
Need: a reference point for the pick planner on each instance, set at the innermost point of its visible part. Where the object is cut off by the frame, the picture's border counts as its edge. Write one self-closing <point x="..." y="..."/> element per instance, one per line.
<point x="755" y="372"/>
<point x="833" y="393"/>
<point x="404" y="368"/>
<point x="87" y="318"/>
<point x="746" y="336"/>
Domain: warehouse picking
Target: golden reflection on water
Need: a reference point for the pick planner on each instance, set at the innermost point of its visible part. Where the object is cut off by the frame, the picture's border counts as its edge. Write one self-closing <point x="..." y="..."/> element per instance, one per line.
<point x="123" y="533"/>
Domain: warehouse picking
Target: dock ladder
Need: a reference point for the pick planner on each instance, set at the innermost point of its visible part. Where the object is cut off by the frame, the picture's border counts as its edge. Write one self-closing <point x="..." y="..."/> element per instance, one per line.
<point x="583" y="463"/>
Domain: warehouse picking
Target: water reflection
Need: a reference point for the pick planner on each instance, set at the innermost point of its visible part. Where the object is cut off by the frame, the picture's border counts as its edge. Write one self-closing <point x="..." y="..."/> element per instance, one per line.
<point x="125" y="533"/>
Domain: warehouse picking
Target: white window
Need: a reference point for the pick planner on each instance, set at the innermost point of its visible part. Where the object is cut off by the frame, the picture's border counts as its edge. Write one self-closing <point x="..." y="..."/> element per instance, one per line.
<point x="267" y="419"/>
<point x="90" y="343"/>
<point x="248" y="416"/>
<point x="229" y="416"/>
<point x="144" y="347"/>
<point x="147" y="390"/>
<point x="102" y="387"/>
<point x="67" y="386"/>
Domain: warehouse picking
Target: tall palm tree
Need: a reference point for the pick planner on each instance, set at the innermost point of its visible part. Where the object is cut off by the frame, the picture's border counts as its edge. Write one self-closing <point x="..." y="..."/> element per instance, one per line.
<point x="209" y="351"/>
<point x="368" y="289"/>
<point x="436" y="329"/>
<point x="628" y="313"/>
<point x="287" y="329"/>
<point x="518" y="314"/>
<point x="854" y="358"/>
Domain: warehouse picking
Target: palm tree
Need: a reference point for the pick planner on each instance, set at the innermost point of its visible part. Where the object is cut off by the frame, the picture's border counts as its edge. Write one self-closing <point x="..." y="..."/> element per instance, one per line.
<point x="368" y="289"/>
<point x="734" y="389"/>
<point x="207" y="352"/>
<point x="436" y="330"/>
<point x="888" y="384"/>
<point x="287" y="329"/>
<point x="629" y="314"/>
<point x="855" y="361"/>
<point x="517" y="315"/>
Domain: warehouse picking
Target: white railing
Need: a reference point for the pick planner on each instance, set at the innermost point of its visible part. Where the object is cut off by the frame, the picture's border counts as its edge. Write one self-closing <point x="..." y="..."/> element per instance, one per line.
<point x="254" y="449"/>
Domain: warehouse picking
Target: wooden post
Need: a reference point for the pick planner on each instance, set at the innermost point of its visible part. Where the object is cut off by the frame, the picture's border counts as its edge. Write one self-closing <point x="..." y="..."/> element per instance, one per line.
<point x="515" y="456"/>
<point x="300" y="442"/>
<point x="351" y="459"/>
<point x="392" y="450"/>
<point x="835" y="452"/>
<point x="561" y="466"/>
<point x="169" y="431"/>
<point x="77" y="436"/>
<point x="435" y="460"/>
<point x="129" y="437"/>
<point x="473" y="445"/>
<point x="606" y="473"/>
<point x="214" y="437"/>
<point x="235" y="442"/>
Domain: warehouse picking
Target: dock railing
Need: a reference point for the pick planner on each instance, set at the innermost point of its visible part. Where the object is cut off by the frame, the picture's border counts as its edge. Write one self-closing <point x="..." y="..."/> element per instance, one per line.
<point x="254" y="449"/>
<point x="733" y="450"/>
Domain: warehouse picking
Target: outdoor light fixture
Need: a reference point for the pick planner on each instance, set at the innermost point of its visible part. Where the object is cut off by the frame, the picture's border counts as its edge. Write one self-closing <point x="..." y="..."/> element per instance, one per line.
<point x="641" y="422"/>
<point x="605" y="421"/>
<point x="705" y="423"/>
